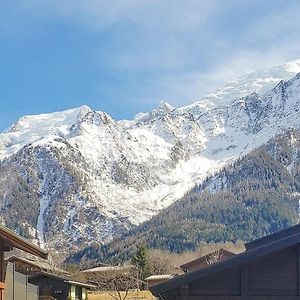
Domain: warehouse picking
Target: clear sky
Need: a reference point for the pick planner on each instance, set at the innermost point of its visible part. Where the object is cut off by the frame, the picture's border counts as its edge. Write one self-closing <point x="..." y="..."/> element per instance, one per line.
<point x="125" y="56"/>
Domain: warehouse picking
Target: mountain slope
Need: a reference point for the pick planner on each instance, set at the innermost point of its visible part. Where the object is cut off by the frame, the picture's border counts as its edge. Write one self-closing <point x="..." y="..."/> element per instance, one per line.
<point x="255" y="196"/>
<point x="85" y="177"/>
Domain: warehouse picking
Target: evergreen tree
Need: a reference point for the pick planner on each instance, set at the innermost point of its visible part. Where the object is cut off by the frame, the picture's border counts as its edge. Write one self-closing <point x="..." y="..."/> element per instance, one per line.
<point x="140" y="260"/>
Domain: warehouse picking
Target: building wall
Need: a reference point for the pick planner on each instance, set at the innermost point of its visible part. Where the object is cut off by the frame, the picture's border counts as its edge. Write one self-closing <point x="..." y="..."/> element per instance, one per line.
<point x="276" y="274"/>
<point x="273" y="277"/>
<point x="59" y="289"/>
<point x="18" y="286"/>
<point x="51" y="287"/>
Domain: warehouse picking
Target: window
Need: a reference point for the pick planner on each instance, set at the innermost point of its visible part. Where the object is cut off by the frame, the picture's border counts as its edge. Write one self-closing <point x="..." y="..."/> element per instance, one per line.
<point x="84" y="294"/>
<point x="73" y="292"/>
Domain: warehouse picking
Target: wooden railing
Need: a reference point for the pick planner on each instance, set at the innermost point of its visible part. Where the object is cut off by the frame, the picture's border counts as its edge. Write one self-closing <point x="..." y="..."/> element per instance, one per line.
<point x="3" y="285"/>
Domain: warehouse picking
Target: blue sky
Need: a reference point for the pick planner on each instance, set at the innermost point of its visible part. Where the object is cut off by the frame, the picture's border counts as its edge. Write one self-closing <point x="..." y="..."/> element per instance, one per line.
<point x="126" y="56"/>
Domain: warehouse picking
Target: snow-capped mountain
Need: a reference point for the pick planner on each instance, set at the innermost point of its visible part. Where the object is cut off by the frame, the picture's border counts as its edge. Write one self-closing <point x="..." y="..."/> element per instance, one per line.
<point x="78" y="176"/>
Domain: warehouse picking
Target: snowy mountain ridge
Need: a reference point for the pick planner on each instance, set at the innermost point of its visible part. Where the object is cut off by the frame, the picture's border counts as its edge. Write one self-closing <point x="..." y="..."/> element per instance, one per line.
<point x="88" y="177"/>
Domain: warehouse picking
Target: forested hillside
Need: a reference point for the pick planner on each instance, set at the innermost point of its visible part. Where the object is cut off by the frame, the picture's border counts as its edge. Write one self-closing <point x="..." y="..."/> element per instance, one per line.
<point x="255" y="196"/>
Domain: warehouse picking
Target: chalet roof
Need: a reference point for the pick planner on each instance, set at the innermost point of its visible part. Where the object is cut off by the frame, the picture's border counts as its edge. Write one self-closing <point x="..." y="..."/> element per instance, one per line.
<point x="44" y="265"/>
<point x="237" y="260"/>
<point x="83" y="284"/>
<point x="50" y="275"/>
<point x="162" y="276"/>
<point x="61" y="278"/>
<point x="204" y="258"/>
<point x="11" y="239"/>
<point x="108" y="269"/>
<point x="272" y="237"/>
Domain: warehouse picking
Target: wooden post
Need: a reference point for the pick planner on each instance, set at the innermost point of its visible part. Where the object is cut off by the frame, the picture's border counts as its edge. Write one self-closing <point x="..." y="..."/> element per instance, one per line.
<point x="3" y="265"/>
<point x="298" y="269"/>
<point x="244" y="282"/>
<point x="2" y="279"/>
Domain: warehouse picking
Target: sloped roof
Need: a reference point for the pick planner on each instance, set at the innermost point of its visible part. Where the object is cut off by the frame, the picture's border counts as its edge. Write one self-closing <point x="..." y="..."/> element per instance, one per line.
<point x="45" y="265"/>
<point x="158" y="277"/>
<point x="108" y="269"/>
<point x="204" y="257"/>
<point x="83" y="284"/>
<point x="50" y="275"/>
<point x="61" y="278"/>
<point x="11" y="239"/>
<point x="272" y="237"/>
<point x="245" y="257"/>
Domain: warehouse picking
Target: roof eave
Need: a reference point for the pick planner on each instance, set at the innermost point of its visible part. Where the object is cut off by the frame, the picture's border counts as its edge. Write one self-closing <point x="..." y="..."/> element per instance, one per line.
<point x="14" y="240"/>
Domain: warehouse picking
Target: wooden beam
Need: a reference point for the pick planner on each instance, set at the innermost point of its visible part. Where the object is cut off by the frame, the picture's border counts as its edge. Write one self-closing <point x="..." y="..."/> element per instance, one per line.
<point x="11" y="239"/>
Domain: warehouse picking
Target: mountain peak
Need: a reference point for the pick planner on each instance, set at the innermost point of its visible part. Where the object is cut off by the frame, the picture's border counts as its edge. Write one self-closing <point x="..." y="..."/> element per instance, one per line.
<point x="293" y="66"/>
<point x="162" y="109"/>
<point x="165" y="107"/>
<point x="84" y="109"/>
<point x="259" y="81"/>
<point x="95" y="118"/>
<point x="52" y="119"/>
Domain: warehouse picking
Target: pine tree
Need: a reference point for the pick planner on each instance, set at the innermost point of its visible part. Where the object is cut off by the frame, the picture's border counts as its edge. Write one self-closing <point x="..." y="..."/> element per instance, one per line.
<point x="140" y="260"/>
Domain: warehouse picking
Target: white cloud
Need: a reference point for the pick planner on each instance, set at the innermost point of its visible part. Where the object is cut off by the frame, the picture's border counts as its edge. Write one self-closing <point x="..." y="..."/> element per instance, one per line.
<point x="276" y="28"/>
<point x="163" y="37"/>
<point x="97" y="14"/>
<point x="155" y="36"/>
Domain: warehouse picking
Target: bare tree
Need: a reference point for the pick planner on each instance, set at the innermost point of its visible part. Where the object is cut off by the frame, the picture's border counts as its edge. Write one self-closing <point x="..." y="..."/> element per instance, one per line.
<point x="162" y="262"/>
<point x="214" y="257"/>
<point x="117" y="283"/>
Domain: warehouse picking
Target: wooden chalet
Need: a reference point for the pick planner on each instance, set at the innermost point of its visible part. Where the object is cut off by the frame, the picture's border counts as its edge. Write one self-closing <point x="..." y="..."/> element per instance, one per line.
<point x="57" y="287"/>
<point x="8" y="241"/>
<point x="269" y="269"/>
<point x="207" y="260"/>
